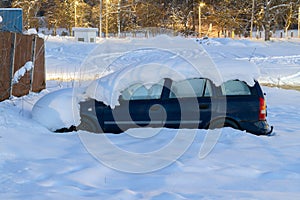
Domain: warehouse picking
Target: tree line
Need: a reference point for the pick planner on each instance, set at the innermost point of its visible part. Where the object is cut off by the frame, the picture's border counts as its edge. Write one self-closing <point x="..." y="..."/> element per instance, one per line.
<point x="184" y="16"/>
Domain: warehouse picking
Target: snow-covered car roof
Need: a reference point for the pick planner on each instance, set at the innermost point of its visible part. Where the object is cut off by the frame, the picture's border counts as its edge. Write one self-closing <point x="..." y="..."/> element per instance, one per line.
<point x="150" y="61"/>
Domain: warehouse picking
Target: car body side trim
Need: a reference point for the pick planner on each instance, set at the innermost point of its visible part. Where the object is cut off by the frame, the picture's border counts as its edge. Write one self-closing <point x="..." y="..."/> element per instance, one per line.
<point x="153" y="122"/>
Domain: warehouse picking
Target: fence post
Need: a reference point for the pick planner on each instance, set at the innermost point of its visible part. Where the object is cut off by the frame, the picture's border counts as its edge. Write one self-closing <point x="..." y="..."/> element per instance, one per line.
<point x="33" y="54"/>
<point x="12" y="62"/>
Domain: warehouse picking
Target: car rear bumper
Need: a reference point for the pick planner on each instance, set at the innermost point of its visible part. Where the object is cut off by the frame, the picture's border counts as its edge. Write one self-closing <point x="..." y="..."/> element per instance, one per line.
<point x="258" y="128"/>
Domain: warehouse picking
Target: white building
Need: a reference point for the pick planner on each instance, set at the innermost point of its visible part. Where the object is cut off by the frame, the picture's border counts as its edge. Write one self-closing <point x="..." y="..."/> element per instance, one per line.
<point x="85" y="34"/>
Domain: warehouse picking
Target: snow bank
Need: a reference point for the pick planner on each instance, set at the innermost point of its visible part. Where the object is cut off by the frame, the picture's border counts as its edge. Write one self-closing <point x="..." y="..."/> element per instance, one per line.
<point x="56" y="110"/>
<point x="277" y="60"/>
<point x="64" y="56"/>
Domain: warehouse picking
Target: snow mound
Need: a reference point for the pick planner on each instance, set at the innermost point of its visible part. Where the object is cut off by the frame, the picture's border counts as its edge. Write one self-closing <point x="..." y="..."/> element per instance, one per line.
<point x="57" y="110"/>
<point x="231" y="43"/>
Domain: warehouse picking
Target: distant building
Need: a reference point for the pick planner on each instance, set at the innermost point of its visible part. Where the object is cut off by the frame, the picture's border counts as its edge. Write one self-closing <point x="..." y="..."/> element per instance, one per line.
<point x="11" y="20"/>
<point x="85" y="34"/>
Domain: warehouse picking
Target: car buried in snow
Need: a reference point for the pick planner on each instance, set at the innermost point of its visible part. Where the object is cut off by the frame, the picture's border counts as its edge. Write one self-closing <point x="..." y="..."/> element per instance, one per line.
<point x="159" y="88"/>
<point x="190" y="103"/>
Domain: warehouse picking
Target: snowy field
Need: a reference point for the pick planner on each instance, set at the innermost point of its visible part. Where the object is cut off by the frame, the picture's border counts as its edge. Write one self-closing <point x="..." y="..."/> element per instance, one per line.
<point x="36" y="163"/>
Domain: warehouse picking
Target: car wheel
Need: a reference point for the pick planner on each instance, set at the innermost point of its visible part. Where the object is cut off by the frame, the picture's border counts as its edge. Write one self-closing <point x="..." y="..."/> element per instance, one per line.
<point x="89" y="124"/>
<point x="232" y="124"/>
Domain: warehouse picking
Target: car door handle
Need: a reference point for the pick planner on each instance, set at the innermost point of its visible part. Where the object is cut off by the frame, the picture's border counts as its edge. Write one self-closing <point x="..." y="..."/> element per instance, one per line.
<point x="203" y="106"/>
<point x="155" y="108"/>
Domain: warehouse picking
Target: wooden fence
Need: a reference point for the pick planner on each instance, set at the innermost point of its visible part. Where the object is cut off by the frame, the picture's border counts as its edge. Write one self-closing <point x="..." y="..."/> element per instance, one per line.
<point x="15" y="51"/>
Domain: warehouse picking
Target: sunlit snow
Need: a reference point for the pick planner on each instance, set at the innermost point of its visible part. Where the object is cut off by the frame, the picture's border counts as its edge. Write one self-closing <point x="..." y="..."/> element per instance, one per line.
<point x="36" y="163"/>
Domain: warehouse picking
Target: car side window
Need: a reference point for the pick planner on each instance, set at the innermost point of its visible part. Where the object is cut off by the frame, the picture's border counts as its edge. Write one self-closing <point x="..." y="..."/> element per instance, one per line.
<point x="139" y="92"/>
<point x="208" y="89"/>
<point x="235" y="87"/>
<point x="189" y="88"/>
<point x="155" y="91"/>
<point x="135" y="91"/>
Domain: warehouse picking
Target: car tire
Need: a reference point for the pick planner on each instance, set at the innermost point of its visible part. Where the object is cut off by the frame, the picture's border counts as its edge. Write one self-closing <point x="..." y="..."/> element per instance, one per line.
<point x="89" y="124"/>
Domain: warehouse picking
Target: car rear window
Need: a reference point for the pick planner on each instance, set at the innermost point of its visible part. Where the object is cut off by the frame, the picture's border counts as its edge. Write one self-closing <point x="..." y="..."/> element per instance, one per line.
<point x="235" y="87"/>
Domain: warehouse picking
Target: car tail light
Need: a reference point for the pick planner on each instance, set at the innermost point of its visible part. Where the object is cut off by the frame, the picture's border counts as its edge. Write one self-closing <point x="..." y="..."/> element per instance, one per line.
<point x="262" y="109"/>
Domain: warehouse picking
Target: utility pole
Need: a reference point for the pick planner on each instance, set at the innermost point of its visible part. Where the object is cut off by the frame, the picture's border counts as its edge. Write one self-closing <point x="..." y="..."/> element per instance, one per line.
<point x="119" y="18"/>
<point x="252" y="19"/>
<point x="106" y="18"/>
<point x="201" y="4"/>
<point x="299" y="22"/>
<point x="75" y="11"/>
<point x="100" y="20"/>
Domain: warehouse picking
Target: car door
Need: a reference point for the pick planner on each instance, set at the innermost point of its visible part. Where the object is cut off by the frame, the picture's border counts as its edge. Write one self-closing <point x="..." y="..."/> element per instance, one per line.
<point x="140" y="106"/>
<point x="189" y="104"/>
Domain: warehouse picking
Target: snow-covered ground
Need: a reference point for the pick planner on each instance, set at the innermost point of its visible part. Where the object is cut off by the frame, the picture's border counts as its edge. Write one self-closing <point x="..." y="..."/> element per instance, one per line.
<point x="36" y="163"/>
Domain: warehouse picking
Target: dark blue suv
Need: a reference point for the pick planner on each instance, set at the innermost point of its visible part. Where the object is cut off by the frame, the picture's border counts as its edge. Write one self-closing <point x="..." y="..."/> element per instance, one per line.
<point x="189" y="103"/>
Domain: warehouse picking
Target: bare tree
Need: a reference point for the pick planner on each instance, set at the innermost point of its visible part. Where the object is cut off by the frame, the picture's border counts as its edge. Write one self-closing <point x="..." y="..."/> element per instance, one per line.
<point x="67" y="14"/>
<point x="30" y="11"/>
<point x="276" y="12"/>
<point x="231" y="15"/>
<point x="5" y="3"/>
<point x="238" y="16"/>
<point x="182" y="16"/>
